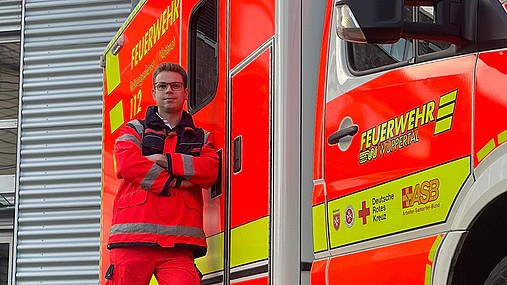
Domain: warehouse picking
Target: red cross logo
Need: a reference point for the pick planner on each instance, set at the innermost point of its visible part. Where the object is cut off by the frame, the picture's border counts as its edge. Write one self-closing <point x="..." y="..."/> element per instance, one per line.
<point x="364" y="212"/>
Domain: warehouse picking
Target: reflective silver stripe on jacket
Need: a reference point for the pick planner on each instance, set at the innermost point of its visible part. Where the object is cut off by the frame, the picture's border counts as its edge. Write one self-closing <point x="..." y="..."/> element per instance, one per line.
<point x="157" y="229"/>
<point x="138" y="126"/>
<point x="206" y="136"/>
<point x="188" y="166"/>
<point x="151" y="176"/>
<point x="131" y="138"/>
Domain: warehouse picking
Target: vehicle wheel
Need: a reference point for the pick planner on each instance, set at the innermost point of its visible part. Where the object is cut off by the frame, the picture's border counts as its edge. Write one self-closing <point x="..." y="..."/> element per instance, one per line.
<point x="498" y="275"/>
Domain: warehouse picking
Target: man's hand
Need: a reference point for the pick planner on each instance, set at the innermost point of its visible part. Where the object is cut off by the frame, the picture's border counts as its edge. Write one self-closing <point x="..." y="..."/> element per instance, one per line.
<point x="184" y="183"/>
<point x="159" y="159"/>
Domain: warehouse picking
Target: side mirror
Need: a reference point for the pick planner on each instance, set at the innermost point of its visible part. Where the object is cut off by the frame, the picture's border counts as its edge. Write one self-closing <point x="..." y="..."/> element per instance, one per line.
<point x="369" y="21"/>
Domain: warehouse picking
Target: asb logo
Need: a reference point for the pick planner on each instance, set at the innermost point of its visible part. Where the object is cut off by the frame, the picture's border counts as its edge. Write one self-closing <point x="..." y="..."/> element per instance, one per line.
<point x="420" y="194"/>
<point x="349" y="216"/>
<point x="336" y="221"/>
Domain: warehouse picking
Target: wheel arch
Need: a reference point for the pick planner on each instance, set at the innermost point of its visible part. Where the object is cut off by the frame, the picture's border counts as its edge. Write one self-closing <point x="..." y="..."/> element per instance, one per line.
<point x="482" y="216"/>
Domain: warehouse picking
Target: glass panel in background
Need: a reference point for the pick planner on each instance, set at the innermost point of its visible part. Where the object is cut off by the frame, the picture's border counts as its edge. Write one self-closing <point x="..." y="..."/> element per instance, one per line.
<point x="8" y="140"/>
<point x="204" y="79"/>
<point x="4" y="263"/>
<point x="9" y="80"/>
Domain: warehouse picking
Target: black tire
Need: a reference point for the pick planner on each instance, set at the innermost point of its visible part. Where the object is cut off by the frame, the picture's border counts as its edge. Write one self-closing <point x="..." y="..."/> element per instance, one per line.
<point x="498" y="275"/>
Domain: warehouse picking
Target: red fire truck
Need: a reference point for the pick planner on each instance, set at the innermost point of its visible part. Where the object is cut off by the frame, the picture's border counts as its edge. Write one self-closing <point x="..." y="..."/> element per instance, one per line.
<point x="361" y="141"/>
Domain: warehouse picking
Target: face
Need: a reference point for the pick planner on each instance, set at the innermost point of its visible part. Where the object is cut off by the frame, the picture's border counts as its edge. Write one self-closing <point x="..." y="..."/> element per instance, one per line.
<point x="169" y="101"/>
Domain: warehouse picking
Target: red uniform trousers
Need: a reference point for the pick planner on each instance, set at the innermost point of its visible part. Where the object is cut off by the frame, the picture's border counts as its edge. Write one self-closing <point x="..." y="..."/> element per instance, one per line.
<point x="135" y="265"/>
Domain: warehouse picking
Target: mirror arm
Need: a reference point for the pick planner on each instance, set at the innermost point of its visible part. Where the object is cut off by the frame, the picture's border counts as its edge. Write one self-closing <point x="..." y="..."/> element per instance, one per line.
<point x="432" y="32"/>
<point x="421" y="2"/>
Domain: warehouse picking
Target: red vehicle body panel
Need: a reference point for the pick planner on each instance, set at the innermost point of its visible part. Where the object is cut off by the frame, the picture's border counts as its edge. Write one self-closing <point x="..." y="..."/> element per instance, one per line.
<point x="250" y="187"/>
<point x="490" y="125"/>
<point x="372" y="104"/>
<point x="251" y="24"/>
<point x="318" y="145"/>
<point x="403" y="263"/>
<point x="318" y="272"/>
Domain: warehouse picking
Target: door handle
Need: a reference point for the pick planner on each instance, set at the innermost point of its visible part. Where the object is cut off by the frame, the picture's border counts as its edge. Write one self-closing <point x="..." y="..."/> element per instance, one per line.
<point x="335" y="137"/>
<point x="216" y="189"/>
<point x="237" y="160"/>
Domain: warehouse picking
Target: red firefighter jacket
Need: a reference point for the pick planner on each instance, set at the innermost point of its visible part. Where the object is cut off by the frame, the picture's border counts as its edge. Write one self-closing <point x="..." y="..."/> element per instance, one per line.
<point x="146" y="210"/>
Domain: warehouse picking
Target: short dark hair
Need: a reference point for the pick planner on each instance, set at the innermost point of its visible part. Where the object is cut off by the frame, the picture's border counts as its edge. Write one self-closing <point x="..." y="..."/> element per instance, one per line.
<point x="173" y="67"/>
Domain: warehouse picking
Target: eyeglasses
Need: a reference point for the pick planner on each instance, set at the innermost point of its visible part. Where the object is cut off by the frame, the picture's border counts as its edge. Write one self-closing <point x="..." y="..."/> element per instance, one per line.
<point x="175" y="86"/>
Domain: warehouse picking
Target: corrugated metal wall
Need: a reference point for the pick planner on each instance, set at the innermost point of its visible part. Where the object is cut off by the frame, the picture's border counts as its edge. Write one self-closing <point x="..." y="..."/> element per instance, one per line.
<point x="61" y="127"/>
<point x="10" y="16"/>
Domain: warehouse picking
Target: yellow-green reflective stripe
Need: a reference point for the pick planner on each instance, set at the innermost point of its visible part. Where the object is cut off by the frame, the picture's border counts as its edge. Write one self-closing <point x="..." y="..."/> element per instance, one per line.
<point x="396" y="206"/>
<point x="443" y="125"/>
<point x="433" y="251"/>
<point x="319" y="228"/>
<point x="431" y="257"/>
<point x="481" y="154"/>
<point x="112" y="72"/>
<point x="250" y="242"/>
<point x="214" y="260"/>
<point x="502" y="137"/>
<point x="428" y="275"/>
<point x="449" y="97"/>
<point x="445" y="111"/>
<point x="116" y="116"/>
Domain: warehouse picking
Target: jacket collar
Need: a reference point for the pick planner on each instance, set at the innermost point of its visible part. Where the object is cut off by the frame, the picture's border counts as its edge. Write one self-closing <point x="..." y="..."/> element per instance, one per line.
<point x="154" y="121"/>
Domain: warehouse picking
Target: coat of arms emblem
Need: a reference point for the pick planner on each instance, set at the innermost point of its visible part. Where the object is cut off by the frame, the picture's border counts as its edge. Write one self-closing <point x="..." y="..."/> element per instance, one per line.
<point x="336" y="221"/>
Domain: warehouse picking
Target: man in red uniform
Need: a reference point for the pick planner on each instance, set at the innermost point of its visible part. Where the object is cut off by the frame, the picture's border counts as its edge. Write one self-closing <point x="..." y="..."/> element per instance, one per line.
<point x="164" y="162"/>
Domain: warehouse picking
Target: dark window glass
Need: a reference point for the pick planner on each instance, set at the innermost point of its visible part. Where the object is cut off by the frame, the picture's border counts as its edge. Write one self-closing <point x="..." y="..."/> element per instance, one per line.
<point x="365" y="57"/>
<point x="426" y="15"/>
<point x="8" y="139"/>
<point x="9" y="80"/>
<point x="203" y="64"/>
<point x="369" y="56"/>
<point x="4" y="263"/>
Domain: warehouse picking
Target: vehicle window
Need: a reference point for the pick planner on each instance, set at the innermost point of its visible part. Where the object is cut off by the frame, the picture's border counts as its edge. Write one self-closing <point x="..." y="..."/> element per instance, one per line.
<point x="426" y="15"/>
<point x="203" y="54"/>
<point x="365" y="57"/>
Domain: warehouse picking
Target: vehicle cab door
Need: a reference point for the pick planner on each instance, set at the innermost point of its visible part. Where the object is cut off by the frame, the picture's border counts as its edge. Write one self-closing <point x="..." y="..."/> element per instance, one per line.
<point x="397" y="137"/>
